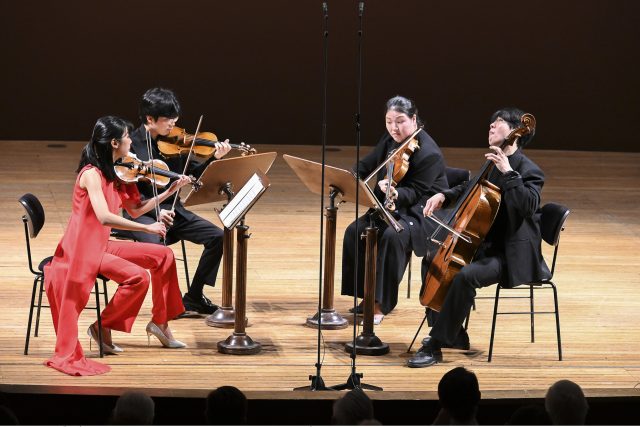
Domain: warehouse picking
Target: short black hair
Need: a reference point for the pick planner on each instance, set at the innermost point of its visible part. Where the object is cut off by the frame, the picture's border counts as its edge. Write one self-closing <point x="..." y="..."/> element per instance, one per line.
<point x="159" y="102"/>
<point x="513" y="117"/>
<point x="226" y="405"/>
<point x="459" y="393"/>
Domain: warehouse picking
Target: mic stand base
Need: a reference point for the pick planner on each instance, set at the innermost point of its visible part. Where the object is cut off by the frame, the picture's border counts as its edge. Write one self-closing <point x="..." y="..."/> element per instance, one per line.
<point x="317" y="384"/>
<point x="330" y="320"/>
<point x="353" y="382"/>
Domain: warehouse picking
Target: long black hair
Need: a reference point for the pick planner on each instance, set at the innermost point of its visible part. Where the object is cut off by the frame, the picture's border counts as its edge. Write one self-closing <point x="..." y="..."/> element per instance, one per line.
<point x="98" y="152"/>
<point x="512" y="116"/>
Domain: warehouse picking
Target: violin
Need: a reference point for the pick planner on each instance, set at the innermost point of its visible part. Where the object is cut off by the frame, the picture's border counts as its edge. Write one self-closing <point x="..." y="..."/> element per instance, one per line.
<point x="397" y="169"/>
<point x="179" y="142"/>
<point x="131" y="169"/>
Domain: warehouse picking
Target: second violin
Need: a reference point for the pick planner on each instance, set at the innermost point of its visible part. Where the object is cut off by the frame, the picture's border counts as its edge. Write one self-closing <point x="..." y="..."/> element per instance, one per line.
<point x="178" y="142"/>
<point x="131" y="169"/>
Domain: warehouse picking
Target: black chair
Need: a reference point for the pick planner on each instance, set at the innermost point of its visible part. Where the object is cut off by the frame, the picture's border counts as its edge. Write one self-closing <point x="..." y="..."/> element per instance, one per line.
<point x="455" y="176"/>
<point x="552" y="220"/>
<point x="33" y="220"/>
<point x="553" y="217"/>
<point x="128" y="235"/>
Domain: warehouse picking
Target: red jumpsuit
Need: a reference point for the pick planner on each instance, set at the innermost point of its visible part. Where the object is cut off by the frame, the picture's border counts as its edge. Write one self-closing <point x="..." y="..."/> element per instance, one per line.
<point x="86" y="251"/>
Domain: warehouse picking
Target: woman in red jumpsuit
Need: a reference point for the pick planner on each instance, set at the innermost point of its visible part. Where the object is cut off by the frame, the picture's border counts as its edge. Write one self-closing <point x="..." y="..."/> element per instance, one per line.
<point x="86" y="251"/>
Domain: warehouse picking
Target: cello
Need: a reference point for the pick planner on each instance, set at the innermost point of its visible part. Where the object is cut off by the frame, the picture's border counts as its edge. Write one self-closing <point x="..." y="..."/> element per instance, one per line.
<point x="465" y="226"/>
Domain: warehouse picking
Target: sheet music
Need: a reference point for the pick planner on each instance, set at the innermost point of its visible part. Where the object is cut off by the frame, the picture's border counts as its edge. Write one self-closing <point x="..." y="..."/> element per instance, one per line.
<point x="242" y="201"/>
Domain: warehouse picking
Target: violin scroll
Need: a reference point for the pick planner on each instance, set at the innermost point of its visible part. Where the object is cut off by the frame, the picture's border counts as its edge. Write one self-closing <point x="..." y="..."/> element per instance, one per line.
<point x="528" y="127"/>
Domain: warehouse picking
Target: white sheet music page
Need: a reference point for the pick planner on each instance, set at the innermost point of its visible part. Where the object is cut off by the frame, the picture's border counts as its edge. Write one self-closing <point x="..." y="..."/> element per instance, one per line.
<point x="242" y="201"/>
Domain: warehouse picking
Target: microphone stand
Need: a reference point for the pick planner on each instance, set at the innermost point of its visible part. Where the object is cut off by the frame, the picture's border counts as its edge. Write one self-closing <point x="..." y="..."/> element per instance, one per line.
<point x="353" y="381"/>
<point x="317" y="383"/>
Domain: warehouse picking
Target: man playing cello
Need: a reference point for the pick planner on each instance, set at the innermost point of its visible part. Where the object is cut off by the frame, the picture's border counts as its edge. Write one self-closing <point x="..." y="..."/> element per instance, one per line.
<point x="510" y="254"/>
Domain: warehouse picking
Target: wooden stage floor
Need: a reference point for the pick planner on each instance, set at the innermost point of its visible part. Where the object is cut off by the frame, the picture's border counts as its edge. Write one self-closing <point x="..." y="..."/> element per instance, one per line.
<point x="598" y="277"/>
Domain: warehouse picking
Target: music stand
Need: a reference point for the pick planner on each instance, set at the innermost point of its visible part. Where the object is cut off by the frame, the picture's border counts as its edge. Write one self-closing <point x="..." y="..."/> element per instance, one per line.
<point x="233" y="216"/>
<point x="341" y="181"/>
<point x="219" y="179"/>
<point x="337" y="182"/>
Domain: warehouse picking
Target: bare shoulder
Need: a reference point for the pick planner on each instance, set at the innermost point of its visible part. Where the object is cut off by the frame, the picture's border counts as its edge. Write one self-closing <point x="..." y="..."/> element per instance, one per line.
<point x="88" y="177"/>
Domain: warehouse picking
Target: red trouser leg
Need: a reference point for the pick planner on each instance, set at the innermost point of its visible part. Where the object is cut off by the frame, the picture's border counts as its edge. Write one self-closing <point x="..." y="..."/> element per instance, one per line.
<point x="159" y="260"/>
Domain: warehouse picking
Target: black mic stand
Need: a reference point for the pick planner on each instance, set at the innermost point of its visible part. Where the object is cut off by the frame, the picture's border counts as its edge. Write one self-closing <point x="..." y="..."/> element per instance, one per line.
<point x="317" y="383"/>
<point x="353" y="381"/>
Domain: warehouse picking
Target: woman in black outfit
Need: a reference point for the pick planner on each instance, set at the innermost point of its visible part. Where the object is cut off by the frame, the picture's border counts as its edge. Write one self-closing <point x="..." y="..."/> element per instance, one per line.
<point x="424" y="178"/>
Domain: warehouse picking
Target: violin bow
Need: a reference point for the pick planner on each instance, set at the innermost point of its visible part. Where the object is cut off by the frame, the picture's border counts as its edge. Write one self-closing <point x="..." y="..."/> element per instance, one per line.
<point x="154" y="184"/>
<point x="186" y="163"/>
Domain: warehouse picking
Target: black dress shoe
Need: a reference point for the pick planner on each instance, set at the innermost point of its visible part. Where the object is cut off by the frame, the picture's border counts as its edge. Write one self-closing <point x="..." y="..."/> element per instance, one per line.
<point x="359" y="309"/>
<point x="427" y="355"/>
<point x="202" y="305"/>
<point x="461" y="342"/>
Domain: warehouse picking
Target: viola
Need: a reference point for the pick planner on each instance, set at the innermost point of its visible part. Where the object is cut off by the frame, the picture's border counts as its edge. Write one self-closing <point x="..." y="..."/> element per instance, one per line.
<point x="459" y="236"/>
<point x="131" y="169"/>
<point x="398" y="167"/>
<point x="179" y="142"/>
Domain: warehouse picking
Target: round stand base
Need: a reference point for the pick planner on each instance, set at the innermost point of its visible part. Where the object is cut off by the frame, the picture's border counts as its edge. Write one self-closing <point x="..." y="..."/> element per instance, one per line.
<point x="224" y="317"/>
<point x="239" y="344"/>
<point x="330" y="320"/>
<point x="368" y="345"/>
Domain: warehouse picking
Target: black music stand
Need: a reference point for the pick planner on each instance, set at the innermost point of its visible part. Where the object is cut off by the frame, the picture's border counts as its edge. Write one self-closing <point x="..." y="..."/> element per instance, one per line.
<point x="220" y="179"/>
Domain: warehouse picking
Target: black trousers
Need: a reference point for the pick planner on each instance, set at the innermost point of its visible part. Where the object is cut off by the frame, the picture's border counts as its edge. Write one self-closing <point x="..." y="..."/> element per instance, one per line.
<point x="196" y="230"/>
<point x="394" y="253"/>
<point x="447" y="324"/>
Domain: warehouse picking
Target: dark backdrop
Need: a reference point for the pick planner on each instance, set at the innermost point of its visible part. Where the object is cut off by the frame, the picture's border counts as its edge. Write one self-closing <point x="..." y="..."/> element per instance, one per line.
<point x="254" y="68"/>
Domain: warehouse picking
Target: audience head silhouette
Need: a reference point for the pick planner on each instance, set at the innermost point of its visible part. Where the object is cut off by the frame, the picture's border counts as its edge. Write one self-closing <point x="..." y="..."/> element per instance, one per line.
<point x="226" y="406"/>
<point x="353" y="408"/>
<point x="566" y="404"/>
<point x="133" y="408"/>
<point x="459" y="394"/>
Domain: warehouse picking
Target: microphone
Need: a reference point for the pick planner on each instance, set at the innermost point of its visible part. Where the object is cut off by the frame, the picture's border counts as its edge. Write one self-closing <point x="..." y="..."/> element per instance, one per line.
<point x="325" y="9"/>
<point x="361" y="7"/>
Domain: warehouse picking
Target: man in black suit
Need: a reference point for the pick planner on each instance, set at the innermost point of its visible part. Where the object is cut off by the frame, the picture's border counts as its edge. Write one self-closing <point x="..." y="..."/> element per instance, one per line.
<point x="509" y="255"/>
<point x="159" y="111"/>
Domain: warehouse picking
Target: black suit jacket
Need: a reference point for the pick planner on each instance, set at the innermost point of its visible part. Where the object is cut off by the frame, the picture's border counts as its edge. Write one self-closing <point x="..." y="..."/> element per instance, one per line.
<point x="424" y="178"/>
<point x="516" y="229"/>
